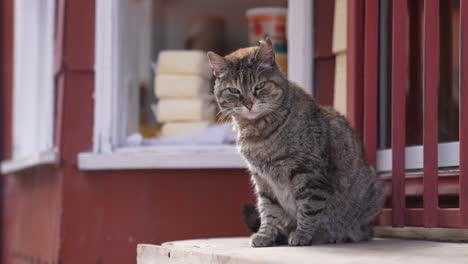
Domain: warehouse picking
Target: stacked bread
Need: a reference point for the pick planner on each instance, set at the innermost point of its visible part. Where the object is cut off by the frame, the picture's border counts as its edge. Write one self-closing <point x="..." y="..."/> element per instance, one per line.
<point x="182" y="85"/>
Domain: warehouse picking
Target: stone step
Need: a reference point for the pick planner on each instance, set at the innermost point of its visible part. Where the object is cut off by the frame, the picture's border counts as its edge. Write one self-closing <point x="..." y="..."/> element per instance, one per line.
<point x="238" y="251"/>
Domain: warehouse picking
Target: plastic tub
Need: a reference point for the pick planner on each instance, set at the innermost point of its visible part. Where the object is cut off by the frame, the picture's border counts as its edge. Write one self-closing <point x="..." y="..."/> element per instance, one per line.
<point x="271" y="22"/>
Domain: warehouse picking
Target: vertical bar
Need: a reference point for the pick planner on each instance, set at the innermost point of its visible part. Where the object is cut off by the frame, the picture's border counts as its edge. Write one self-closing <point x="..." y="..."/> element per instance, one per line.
<point x="355" y="64"/>
<point x="399" y="83"/>
<point x="463" y="101"/>
<point x="430" y="113"/>
<point x="371" y="44"/>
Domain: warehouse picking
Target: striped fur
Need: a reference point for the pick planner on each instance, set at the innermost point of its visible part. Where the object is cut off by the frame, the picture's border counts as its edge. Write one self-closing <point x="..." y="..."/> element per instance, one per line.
<point x="311" y="177"/>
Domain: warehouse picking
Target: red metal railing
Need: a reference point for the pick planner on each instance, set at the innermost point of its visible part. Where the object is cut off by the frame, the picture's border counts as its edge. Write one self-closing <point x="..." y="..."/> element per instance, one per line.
<point x="430" y="121"/>
<point x="371" y="58"/>
<point x="363" y="53"/>
<point x="399" y="80"/>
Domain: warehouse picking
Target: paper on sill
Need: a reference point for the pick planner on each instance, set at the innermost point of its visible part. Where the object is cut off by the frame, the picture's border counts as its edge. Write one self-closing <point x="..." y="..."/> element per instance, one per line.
<point x="213" y="135"/>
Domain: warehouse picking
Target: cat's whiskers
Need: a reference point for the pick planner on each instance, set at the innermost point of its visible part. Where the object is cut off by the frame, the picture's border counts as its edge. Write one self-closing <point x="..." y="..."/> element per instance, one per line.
<point x="226" y="114"/>
<point x="222" y="112"/>
<point x="223" y="115"/>
<point x="269" y="109"/>
<point x="223" y="119"/>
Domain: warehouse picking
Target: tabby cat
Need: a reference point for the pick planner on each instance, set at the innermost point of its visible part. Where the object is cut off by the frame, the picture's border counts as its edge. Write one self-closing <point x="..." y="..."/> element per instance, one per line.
<point x="311" y="177"/>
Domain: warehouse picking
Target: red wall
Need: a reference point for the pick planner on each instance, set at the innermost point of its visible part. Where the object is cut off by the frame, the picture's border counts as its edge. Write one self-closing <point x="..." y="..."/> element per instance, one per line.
<point x="324" y="59"/>
<point x="107" y="214"/>
<point x="61" y="213"/>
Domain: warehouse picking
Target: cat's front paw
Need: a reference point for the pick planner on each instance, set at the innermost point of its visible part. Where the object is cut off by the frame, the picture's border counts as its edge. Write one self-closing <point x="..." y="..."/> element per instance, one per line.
<point x="261" y="240"/>
<point x="299" y="239"/>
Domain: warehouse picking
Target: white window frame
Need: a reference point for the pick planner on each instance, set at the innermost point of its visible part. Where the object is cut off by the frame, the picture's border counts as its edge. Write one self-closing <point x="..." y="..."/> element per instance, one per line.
<point x="33" y="86"/>
<point x="447" y="154"/>
<point x="110" y="97"/>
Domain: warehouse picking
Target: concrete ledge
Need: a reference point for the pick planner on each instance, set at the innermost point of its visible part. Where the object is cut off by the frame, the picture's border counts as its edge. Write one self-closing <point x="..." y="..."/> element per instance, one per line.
<point x="237" y="251"/>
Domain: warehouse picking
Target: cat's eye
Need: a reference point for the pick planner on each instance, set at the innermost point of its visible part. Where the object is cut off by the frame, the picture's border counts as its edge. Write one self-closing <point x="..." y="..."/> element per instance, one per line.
<point x="259" y="86"/>
<point x="233" y="90"/>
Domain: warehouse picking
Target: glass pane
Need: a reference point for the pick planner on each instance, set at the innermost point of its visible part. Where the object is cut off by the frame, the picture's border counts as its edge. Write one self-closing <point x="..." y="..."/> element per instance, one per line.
<point x="449" y="70"/>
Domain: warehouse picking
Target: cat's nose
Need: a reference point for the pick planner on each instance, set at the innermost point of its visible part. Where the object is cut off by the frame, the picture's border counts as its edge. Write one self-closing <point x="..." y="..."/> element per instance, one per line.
<point x="249" y="106"/>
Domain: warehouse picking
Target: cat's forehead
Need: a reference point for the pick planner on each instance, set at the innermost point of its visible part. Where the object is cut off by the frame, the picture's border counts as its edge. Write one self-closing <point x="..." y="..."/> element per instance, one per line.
<point x="243" y="68"/>
<point x="243" y="56"/>
<point x="242" y="53"/>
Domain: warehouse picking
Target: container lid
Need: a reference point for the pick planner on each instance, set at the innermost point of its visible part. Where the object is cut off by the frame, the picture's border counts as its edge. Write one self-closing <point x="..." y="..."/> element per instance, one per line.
<point x="271" y="10"/>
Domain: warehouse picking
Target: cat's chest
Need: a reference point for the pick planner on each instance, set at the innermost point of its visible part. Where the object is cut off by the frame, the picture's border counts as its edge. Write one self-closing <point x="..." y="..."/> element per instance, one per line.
<point x="259" y="155"/>
<point x="270" y="164"/>
<point x="284" y="195"/>
<point x="274" y="176"/>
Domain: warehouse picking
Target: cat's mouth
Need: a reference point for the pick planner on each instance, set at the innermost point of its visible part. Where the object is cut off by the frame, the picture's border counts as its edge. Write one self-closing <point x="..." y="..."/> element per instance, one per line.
<point x="251" y="115"/>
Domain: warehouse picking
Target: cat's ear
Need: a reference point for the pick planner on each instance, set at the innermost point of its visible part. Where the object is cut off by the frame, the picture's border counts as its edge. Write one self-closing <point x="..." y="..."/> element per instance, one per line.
<point x="219" y="64"/>
<point x="266" y="52"/>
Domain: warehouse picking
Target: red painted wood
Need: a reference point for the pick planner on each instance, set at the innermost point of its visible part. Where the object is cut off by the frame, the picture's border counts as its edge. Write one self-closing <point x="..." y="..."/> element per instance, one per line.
<point x="430" y="113"/>
<point x="399" y="83"/>
<point x="414" y="216"/>
<point x="371" y="44"/>
<point x="450" y="217"/>
<point x="33" y="216"/>
<point x="464" y="114"/>
<point x="324" y="80"/>
<point x="355" y="64"/>
<point x="447" y="217"/>
<point x="323" y="28"/>
<point x="385" y="217"/>
<point x="6" y="81"/>
<point x="80" y="27"/>
<point x="324" y="59"/>
<point x="447" y="185"/>
<point x="113" y="211"/>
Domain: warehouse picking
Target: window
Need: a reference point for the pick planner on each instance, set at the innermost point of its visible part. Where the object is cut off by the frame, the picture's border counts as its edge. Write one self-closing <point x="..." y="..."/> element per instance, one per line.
<point x="129" y="36"/>
<point x="448" y="104"/>
<point x="33" y="85"/>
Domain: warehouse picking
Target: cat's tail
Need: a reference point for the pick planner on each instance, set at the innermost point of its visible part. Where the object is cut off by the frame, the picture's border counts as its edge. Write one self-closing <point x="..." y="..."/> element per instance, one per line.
<point x="251" y="217"/>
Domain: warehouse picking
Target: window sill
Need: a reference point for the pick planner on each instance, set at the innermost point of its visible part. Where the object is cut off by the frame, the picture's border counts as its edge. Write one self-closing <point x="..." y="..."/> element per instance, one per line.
<point x="33" y="160"/>
<point x="164" y="157"/>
